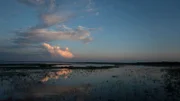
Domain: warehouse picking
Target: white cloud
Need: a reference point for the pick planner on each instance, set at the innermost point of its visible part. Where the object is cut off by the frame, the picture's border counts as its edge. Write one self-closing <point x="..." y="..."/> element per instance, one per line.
<point x="32" y="2"/>
<point x="34" y="36"/>
<point x="52" y="19"/>
<point x="48" y="12"/>
<point x="39" y="3"/>
<point x="50" y="15"/>
<point x="48" y="20"/>
<point x="41" y="33"/>
<point x="89" y="6"/>
<point x="57" y="51"/>
<point x="97" y="13"/>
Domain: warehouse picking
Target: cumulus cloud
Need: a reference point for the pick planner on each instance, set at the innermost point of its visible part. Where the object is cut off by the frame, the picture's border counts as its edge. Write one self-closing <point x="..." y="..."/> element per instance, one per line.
<point x="57" y="51"/>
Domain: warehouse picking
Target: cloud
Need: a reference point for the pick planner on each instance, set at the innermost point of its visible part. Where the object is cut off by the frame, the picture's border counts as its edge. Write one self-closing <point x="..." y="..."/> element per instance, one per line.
<point x="57" y="51"/>
<point x="97" y="13"/>
<point x="34" y="36"/>
<point x="41" y="33"/>
<point x="47" y="12"/>
<point x="40" y="4"/>
<point x="32" y="2"/>
<point x="52" y="19"/>
<point x="51" y="14"/>
<point x="89" y="7"/>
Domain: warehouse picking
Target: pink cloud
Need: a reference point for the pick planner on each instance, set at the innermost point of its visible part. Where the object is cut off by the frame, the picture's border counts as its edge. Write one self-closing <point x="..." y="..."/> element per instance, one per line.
<point x="57" y="51"/>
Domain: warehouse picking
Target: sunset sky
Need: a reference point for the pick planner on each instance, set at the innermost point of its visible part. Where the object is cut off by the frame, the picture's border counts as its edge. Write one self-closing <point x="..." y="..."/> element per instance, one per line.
<point x="90" y="30"/>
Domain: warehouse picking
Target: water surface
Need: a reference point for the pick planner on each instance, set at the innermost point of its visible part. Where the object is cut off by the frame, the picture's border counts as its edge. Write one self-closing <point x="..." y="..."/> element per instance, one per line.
<point x="126" y="83"/>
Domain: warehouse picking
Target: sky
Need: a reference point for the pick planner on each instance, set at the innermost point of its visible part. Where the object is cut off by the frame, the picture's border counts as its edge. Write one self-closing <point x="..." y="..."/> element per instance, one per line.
<point x="90" y="30"/>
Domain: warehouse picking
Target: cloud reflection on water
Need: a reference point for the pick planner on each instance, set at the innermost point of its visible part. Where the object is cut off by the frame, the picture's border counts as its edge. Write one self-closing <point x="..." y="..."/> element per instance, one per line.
<point x="57" y="74"/>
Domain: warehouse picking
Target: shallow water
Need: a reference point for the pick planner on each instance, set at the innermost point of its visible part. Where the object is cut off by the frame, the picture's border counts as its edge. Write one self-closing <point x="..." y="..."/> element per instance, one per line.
<point x="126" y="83"/>
<point x="83" y="65"/>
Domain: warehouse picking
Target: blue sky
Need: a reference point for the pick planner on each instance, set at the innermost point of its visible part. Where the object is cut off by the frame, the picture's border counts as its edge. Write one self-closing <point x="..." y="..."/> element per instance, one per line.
<point x="93" y="30"/>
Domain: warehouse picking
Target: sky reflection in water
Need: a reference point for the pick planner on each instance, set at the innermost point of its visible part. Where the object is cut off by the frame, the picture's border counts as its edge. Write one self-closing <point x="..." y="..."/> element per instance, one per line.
<point x="128" y="83"/>
<point x="56" y="74"/>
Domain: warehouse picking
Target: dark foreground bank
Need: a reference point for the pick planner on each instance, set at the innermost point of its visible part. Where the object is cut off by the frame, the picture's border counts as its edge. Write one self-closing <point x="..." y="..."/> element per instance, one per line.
<point x="82" y="65"/>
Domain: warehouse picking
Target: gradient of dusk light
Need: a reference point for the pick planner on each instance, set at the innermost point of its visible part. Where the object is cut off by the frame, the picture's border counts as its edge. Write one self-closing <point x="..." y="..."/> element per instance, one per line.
<point x="90" y="30"/>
